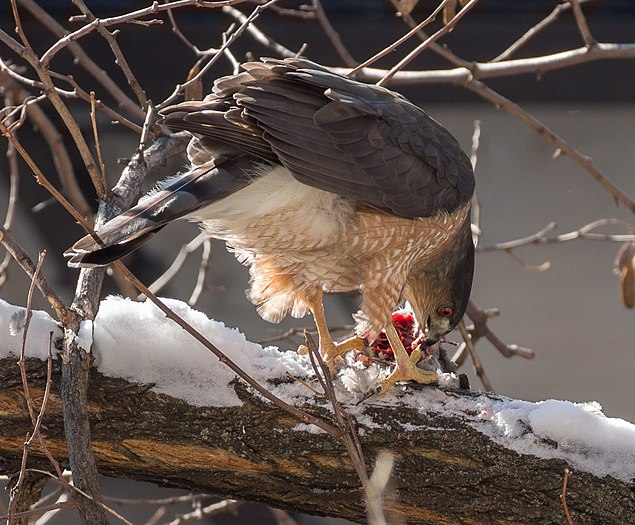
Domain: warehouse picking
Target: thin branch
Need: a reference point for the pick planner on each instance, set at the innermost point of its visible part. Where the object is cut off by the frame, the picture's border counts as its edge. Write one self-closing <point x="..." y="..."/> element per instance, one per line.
<point x="125" y="18"/>
<point x="332" y="34"/>
<point x="16" y="489"/>
<point x="301" y="415"/>
<point x="257" y="34"/>
<point x="21" y="257"/>
<point x="583" y="160"/>
<point x="425" y="44"/>
<point x="84" y="60"/>
<point x="205" y="512"/>
<point x="533" y="31"/>
<point x="120" y="59"/>
<point x="478" y="366"/>
<point x="563" y="497"/>
<point x="482" y="70"/>
<point x="434" y="46"/>
<point x="42" y="180"/>
<point x="349" y="434"/>
<point x="185" y="251"/>
<point x="114" y="116"/>
<point x="55" y="143"/>
<point x="202" y="272"/>
<point x="45" y="77"/>
<point x="584" y="232"/>
<point x="583" y="27"/>
<point x="93" y="120"/>
<point x="393" y="47"/>
<point x="254" y="14"/>
<point x="481" y="329"/>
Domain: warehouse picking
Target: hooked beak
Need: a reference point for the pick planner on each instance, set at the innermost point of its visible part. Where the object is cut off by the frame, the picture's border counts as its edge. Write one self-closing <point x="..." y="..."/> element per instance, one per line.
<point x="429" y="341"/>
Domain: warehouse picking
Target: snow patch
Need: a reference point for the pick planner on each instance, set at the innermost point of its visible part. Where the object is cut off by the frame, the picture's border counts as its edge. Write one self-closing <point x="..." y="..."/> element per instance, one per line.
<point x="12" y="323"/>
<point x="85" y="335"/>
<point x="135" y="341"/>
<point x="578" y="433"/>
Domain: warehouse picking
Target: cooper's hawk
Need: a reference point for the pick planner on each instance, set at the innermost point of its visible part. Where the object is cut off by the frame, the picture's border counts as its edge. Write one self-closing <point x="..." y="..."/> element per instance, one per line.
<point x="319" y="182"/>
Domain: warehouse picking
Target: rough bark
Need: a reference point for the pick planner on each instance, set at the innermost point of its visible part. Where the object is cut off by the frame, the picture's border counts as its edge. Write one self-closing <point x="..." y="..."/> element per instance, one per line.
<point x="446" y="474"/>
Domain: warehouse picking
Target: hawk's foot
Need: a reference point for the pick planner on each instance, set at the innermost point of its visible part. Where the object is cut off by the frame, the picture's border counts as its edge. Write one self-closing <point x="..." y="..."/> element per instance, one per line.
<point x="406" y="370"/>
<point x="330" y="350"/>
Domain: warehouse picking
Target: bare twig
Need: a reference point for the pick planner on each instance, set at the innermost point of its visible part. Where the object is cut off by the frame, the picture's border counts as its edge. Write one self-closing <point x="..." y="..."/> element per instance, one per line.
<point x="563" y="497"/>
<point x="482" y="70"/>
<point x="204" y="512"/>
<point x="41" y="510"/>
<point x="301" y="415"/>
<point x="125" y="18"/>
<point x="348" y="435"/>
<point x="533" y="31"/>
<point x="93" y="120"/>
<point x="52" y="94"/>
<point x="55" y="142"/>
<point x="185" y="251"/>
<point x="584" y="232"/>
<point x="232" y="38"/>
<point x="426" y="43"/>
<point x="120" y="59"/>
<point x="202" y="272"/>
<point x="583" y="160"/>
<point x="257" y="34"/>
<point x="583" y="27"/>
<point x="332" y="34"/>
<point x="22" y="258"/>
<point x="114" y="116"/>
<point x="16" y="489"/>
<point x="84" y="60"/>
<point x="481" y="329"/>
<point x="478" y="366"/>
<point x="42" y="180"/>
<point x="393" y="47"/>
<point x="476" y="205"/>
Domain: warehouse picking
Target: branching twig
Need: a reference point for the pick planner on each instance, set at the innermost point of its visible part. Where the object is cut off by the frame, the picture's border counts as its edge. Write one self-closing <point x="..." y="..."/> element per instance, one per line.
<point x="584" y="232"/>
<point x="254" y="14"/>
<point x="120" y="59"/>
<point x="84" y="59"/>
<point x="205" y="512"/>
<point x="481" y="329"/>
<point x="125" y="18"/>
<point x="257" y="34"/>
<point x="478" y="366"/>
<point x="426" y="43"/>
<point x="583" y="27"/>
<point x="22" y="258"/>
<point x="393" y="47"/>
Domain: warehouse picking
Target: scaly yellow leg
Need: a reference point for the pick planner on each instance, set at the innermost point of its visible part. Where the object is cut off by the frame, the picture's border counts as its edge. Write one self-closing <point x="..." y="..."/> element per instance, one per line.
<point x="329" y="349"/>
<point x="406" y="369"/>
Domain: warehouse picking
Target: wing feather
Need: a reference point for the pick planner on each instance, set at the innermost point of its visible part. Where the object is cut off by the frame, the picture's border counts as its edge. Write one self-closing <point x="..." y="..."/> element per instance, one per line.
<point x="359" y="141"/>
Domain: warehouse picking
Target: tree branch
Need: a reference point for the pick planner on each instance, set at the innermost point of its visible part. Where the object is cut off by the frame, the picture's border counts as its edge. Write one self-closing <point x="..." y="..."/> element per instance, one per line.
<point x="256" y="452"/>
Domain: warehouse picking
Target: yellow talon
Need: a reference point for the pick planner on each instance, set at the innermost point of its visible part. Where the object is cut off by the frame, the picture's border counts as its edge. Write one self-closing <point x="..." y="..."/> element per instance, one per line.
<point x="406" y="365"/>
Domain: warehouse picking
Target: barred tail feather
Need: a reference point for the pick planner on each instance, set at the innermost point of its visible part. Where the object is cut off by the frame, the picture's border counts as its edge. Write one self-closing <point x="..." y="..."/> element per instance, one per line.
<point x="171" y="200"/>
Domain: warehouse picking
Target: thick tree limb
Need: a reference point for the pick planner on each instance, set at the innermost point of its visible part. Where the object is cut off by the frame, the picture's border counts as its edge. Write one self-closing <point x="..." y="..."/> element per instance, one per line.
<point x="445" y="471"/>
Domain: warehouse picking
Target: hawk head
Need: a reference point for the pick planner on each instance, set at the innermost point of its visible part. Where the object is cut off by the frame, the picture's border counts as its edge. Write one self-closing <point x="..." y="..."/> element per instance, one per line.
<point x="439" y="290"/>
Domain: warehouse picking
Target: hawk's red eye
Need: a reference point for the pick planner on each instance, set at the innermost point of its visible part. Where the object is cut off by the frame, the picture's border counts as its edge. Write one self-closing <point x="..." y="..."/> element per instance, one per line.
<point x="446" y="311"/>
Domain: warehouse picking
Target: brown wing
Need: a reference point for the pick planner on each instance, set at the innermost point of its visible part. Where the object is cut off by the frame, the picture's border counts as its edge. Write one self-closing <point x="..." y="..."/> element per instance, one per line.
<point x="362" y="142"/>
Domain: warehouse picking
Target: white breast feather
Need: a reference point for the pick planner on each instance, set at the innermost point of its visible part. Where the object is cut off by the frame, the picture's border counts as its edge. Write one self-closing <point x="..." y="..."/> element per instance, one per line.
<point x="285" y="202"/>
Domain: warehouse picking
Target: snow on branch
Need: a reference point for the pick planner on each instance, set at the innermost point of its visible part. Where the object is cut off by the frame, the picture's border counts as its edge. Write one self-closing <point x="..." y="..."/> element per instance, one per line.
<point x="164" y="409"/>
